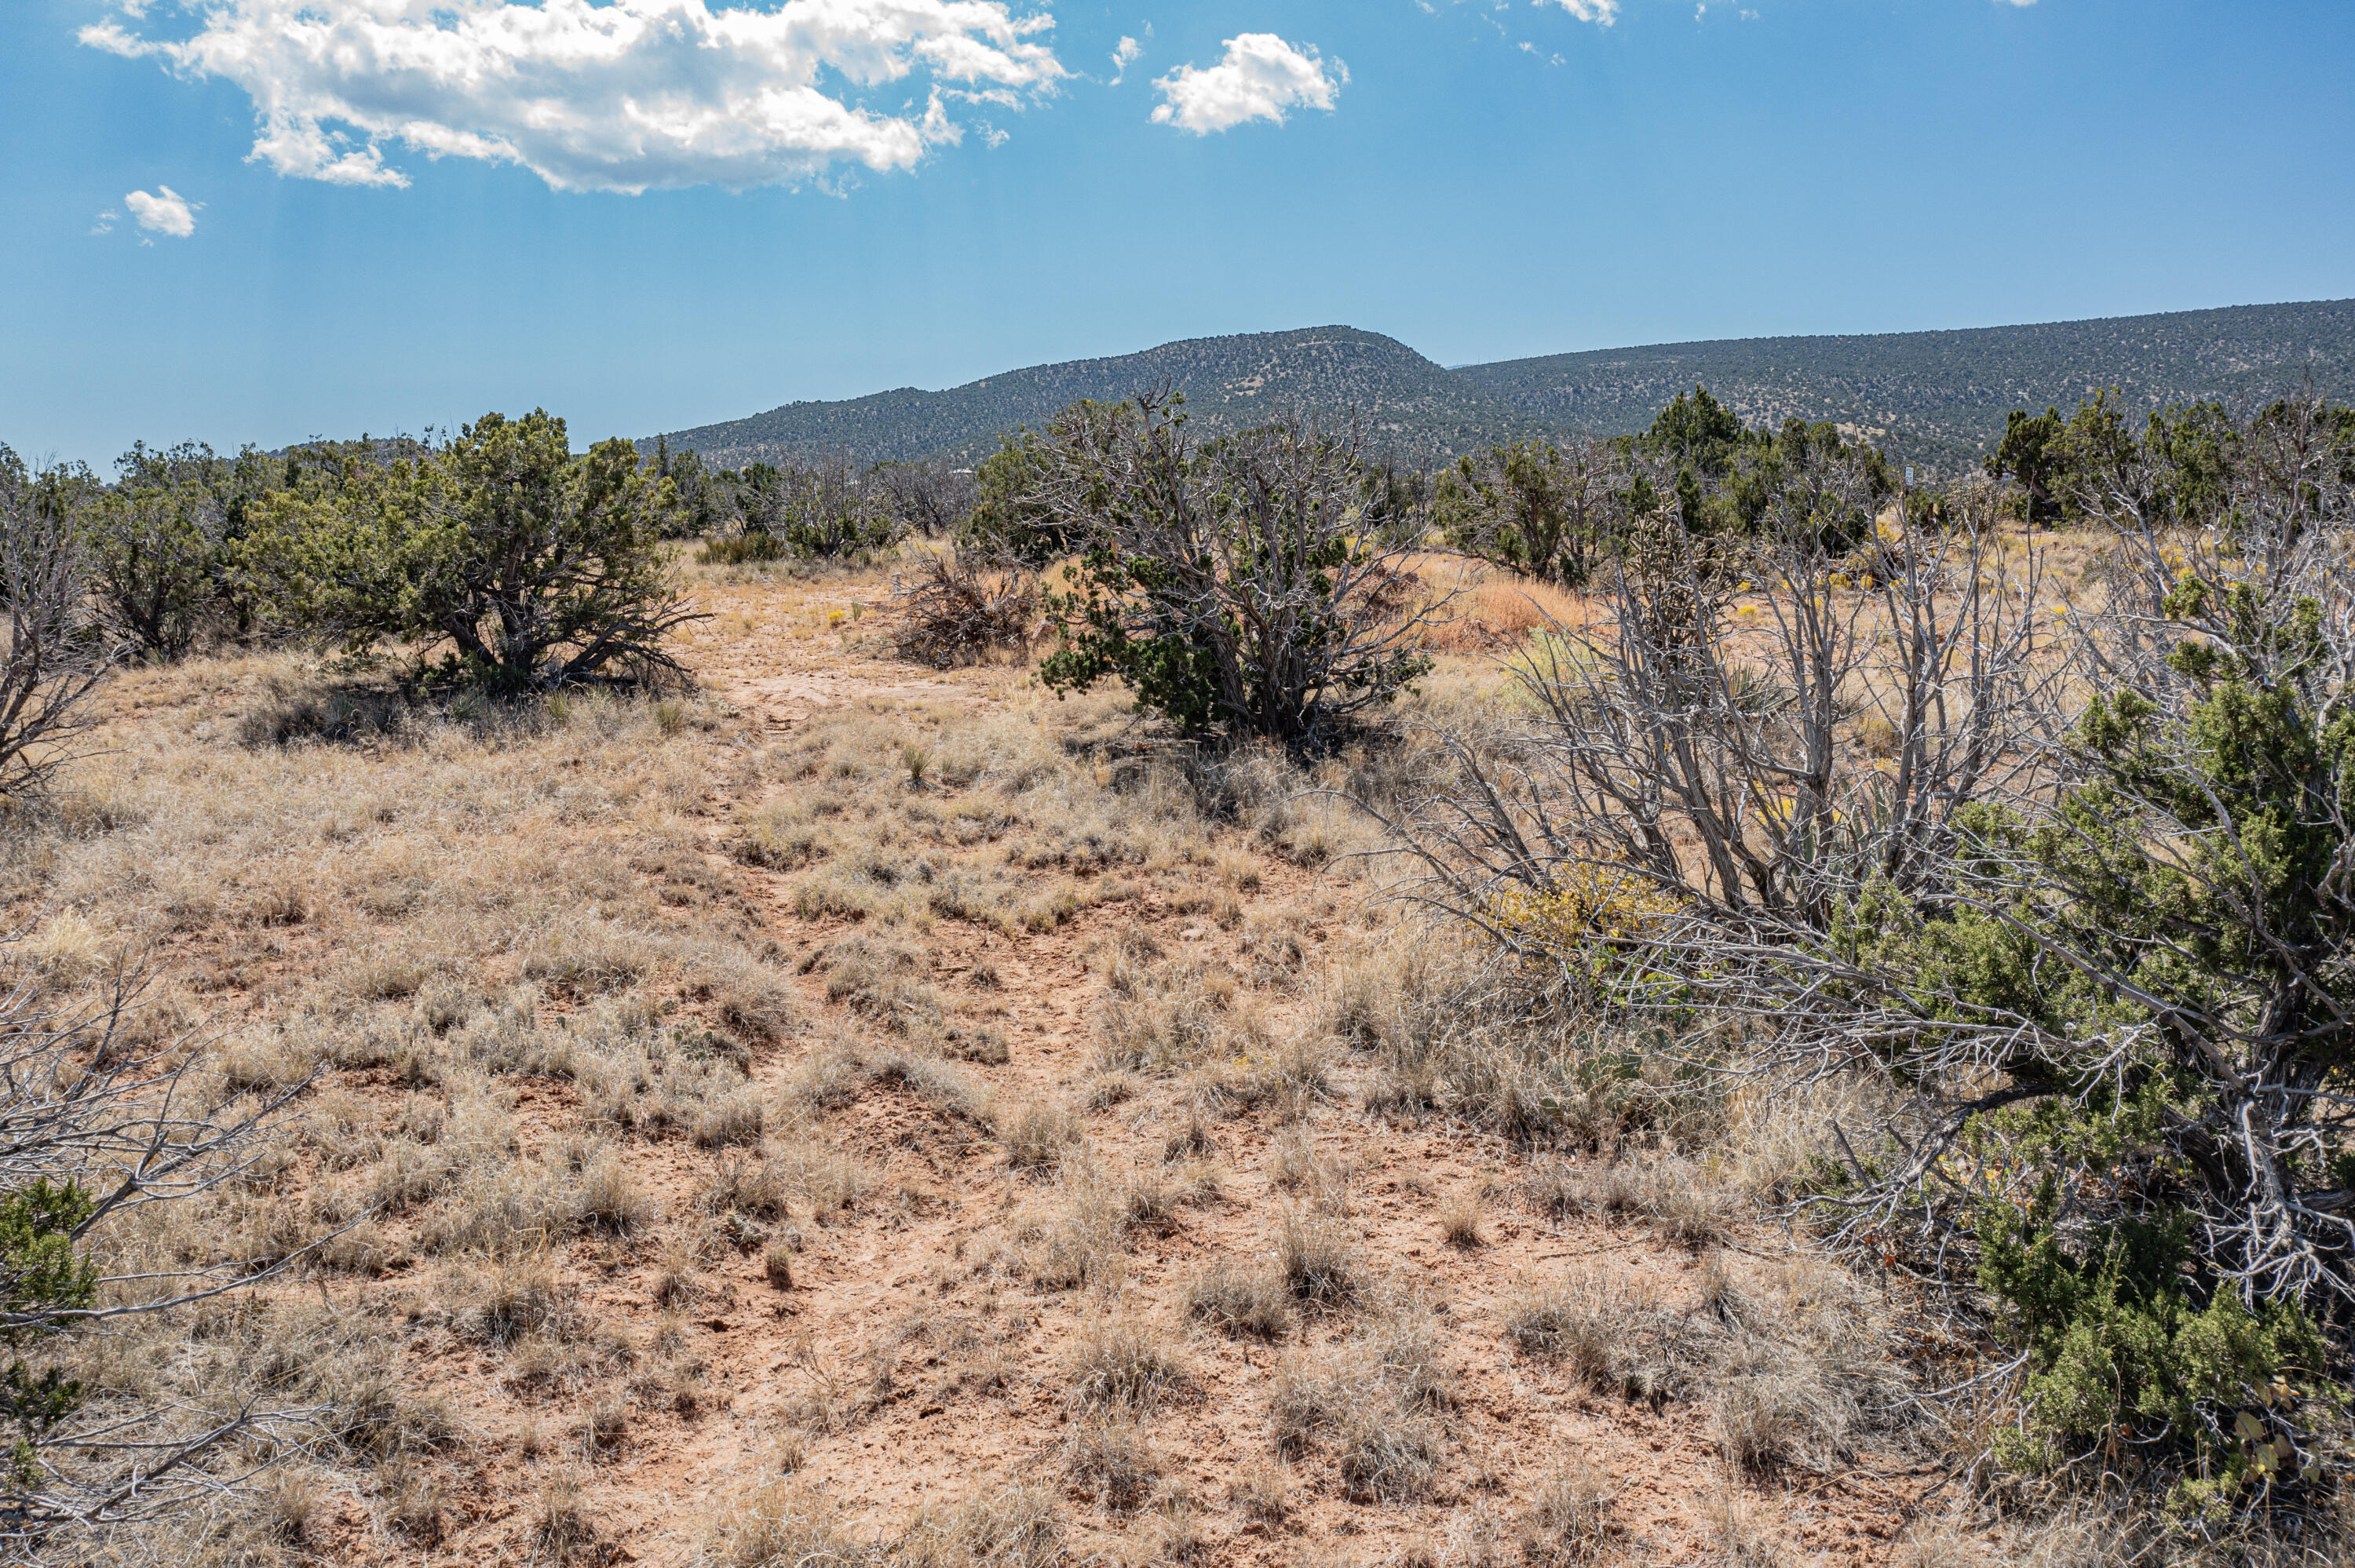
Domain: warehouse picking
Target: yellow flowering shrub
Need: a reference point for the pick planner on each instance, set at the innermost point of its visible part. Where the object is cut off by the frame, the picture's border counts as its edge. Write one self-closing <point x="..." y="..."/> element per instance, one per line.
<point x="1582" y="905"/>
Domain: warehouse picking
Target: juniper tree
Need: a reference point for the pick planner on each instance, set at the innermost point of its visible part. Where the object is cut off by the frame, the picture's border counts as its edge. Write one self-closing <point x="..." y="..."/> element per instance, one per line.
<point x="533" y="565"/>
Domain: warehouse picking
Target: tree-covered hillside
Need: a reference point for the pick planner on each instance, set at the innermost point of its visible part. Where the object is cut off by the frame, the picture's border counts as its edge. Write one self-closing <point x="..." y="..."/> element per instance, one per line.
<point x="1413" y="409"/>
<point x="1940" y="397"/>
<point x="1933" y="397"/>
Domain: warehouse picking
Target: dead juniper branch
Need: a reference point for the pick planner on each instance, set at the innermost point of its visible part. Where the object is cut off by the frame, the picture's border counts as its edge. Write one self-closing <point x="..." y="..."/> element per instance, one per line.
<point x="1695" y="764"/>
<point x="94" y="1130"/>
<point x="56" y="653"/>
<point x="961" y="610"/>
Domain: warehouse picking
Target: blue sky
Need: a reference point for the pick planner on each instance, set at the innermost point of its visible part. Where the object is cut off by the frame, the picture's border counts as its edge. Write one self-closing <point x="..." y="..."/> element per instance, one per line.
<point x="435" y="216"/>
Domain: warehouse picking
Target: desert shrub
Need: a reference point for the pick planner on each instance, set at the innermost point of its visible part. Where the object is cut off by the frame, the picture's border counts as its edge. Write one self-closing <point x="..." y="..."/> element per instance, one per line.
<point x="1237" y="586"/>
<point x="934" y="497"/>
<point x="536" y="568"/>
<point x="2103" y="954"/>
<point x="1532" y="507"/>
<point x="166" y="545"/>
<point x="55" y="656"/>
<point x="157" y="554"/>
<point x="824" y="511"/>
<point x="1010" y="515"/>
<point x="961" y="608"/>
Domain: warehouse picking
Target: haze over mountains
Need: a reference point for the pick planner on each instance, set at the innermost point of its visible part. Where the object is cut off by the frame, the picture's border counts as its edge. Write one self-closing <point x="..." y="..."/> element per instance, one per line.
<point x="1933" y="397"/>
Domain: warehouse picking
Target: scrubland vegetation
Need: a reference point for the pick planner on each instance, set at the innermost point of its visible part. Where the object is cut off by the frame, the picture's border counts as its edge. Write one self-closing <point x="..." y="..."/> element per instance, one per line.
<point x="1679" y="999"/>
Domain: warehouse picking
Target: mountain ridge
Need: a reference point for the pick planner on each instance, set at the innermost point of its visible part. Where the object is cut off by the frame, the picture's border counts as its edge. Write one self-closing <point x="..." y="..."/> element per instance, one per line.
<point x="1937" y="397"/>
<point x="1942" y="394"/>
<point x="1408" y="404"/>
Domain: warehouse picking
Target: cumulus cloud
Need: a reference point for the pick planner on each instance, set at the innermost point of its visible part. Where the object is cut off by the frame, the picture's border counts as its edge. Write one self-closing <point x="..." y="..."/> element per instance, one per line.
<point x="1261" y="77"/>
<point x="1125" y="56"/>
<point x="628" y="96"/>
<point x="1602" y="12"/>
<point x="165" y="212"/>
<point x="105" y="221"/>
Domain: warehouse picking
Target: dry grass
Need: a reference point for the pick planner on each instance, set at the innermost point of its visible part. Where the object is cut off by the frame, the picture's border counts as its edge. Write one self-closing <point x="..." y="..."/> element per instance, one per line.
<point x="782" y="1521"/>
<point x="1002" y="1525"/>
<point x="1126" y="1362"/>
<point x="690" y="1059"/>
<point x="1240" y="1301"/>
<point x="1036" y="1136"/>
<point x="1315" y="1263"/>
<point x="1384" y="1447"/>
<point x="1571" y="1520"/>
<point x="1113" y="1461"/>
<point x="561" y="1524"/>
<point x="1614" y="1337"/>
<point x="1460" y="1219"/>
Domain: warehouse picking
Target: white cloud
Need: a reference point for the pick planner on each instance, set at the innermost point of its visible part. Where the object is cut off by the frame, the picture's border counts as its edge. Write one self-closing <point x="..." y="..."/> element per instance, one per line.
<point x="165" y="212"/>
<point x="105" y="221"/>
<point x="1125" y="56"/>
<point x="1602" y="12"/>
<point x="628" y="96"/>
<point x="1261" y="77"/>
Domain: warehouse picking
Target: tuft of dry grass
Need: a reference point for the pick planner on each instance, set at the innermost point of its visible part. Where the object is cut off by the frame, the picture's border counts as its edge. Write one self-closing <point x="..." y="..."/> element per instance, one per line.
<point x="613" y="1198"/>
<point x="1239" y="1301"/>
<point x="1002" y="1525"/>
<point x="1113" y="1460"/>
<point x="785" y="1521"/>
<point x="561" y="1524"/>
<point x="1374" y="1402"/>
<point x="1613" y="1336"/>
<point x="1261" y="1491"/>
<point x="1315" y="1262"/>
<point x="1382" y="1452"/>
<point x="1124" y="1361"/>
<point x="1038" y="1135"/>
<point x="1460" y="1219"/>
<point x="1571" y="1522"/>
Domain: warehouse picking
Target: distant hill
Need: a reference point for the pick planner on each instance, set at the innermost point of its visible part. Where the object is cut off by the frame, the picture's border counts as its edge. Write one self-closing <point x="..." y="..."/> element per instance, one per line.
<point x="1935" y="397"/>
<point x="1940" y="397"/>
<point x="1411" y="408"/>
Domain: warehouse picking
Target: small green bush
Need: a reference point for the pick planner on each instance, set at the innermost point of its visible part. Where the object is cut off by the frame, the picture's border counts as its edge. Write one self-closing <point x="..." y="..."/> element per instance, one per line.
<point x="744" y="548"/>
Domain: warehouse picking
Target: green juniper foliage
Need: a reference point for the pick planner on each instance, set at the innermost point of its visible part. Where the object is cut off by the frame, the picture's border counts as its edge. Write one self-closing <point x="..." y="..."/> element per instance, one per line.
<point x="1559" y="513"/>
<point x="42" y="1279"/>
<point x="1010" y="515"/>
<point x="534" y="567"/>
<point x="2161" y="1225"/>
<point x="1532" y="507"/>
<point x="2083" y="905"/>
<point x="1239" y="586"/>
